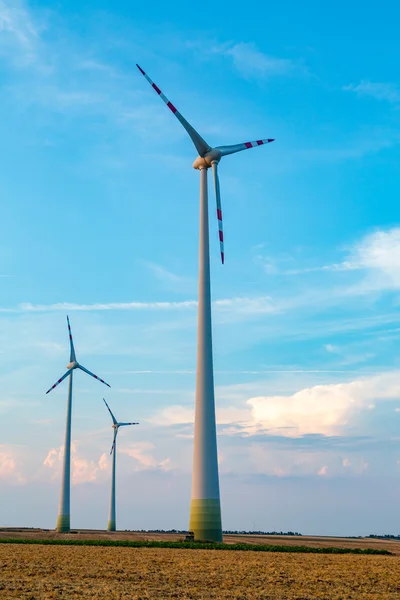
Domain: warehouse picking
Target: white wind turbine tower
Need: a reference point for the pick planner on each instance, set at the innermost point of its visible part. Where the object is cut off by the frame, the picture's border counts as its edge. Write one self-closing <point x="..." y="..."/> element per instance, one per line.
<point x="205" y="508"/>
<point x="63" y="520"/>
<point x="112" y="523"/>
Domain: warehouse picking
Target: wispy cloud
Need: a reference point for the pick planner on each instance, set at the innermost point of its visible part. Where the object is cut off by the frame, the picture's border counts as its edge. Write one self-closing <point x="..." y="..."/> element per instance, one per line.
<point x="170" y="280"/>
<point x="370" y="269"/>
<point x="143" y="455"/>
<point x="220" y="372"/>
<point x="26" y="307"/>
<point x="51" y="73"/>
<point x="244" y="306"/>
<point x="19" y="33"/>
<point x="370" y="142"/>
<point x="250" y="62"/>
<point x="376" y="255"/>
<point x="344" y="266"/>
<point x="381" y="91"/>
<point x="247" y="59"/>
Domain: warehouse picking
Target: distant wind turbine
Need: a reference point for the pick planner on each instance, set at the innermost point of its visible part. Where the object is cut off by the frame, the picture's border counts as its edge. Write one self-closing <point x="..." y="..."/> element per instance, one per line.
<point x="112" y="523"/>
<point x="63" y="520"/>
<point x="205" y="508"/>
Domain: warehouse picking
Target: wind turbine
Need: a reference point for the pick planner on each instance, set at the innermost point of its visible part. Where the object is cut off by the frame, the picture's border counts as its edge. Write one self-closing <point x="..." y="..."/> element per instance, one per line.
<point x="205" y="507"/>
<point x="63" y="520"/>
<point x="111" y="518"/>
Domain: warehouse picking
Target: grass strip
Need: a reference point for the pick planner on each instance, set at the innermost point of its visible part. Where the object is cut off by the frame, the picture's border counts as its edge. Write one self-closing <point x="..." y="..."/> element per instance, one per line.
<point x="194" y="546"/>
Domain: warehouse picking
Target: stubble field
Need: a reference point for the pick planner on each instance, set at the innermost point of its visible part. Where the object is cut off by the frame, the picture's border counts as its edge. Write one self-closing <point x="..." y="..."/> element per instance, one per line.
<point x="53" y="572"/>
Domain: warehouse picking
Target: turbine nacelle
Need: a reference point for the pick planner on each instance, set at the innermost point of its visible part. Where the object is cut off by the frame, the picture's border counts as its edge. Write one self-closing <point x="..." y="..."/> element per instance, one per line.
<point x="73" y="365"/>
<point x="205" y="162"/>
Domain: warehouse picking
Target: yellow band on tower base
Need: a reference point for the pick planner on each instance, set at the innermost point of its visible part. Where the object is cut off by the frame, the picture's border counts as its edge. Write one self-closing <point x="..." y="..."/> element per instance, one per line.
<point x="111" y="526"/>
<point x="205" y="520"/>
<point x="63" y="525"/>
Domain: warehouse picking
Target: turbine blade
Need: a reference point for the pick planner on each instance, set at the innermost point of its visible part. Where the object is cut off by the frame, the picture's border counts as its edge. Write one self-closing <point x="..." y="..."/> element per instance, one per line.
<point x="109" y="410"/>
<point x="93" y="375"/>
<point x="201" y="145"/>
<point x="121" y="424"/>
<point x="214" y="165"/>
<point x="113" y="444"/>
<point x="72" y="356"/>
<point x="225" y="150"/>
<point x="60" y="380"/>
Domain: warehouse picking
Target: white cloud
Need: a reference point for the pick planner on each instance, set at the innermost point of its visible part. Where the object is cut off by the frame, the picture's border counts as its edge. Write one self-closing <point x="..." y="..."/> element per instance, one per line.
<point x="142" y="453"/>
<point x="173" y="415"/>
<point x="166" y="465"/>
<point x="327" y="410"/>
<point x="376" y="255"/>
<point x="104" y="462"/>
<point x="9" y="465"/>
<point x="331" y="348"/>
<point x="83" y="470"/>
<point x="381" y="91"/>
<point x="322" y="409"/>
<point x="52" y="457"/>
<point x="379" y="252"/>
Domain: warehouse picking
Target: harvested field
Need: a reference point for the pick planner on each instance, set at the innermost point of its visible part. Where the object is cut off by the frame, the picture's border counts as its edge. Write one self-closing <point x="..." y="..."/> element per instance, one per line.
<point x="52" y="572"/>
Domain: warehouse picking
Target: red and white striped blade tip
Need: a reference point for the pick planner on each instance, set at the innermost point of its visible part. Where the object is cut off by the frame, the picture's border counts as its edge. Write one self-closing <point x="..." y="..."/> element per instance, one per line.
<point x="258" y="143"/>
<point x="140" y="69"/>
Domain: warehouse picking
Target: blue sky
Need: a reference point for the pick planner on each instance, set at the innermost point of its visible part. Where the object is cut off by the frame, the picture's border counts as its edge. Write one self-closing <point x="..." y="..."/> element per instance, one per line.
<point x="99" y="220"/>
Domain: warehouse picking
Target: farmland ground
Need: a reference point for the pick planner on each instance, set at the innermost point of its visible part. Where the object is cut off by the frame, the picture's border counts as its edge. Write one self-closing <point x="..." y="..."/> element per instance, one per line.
<point x="52" y="572"/>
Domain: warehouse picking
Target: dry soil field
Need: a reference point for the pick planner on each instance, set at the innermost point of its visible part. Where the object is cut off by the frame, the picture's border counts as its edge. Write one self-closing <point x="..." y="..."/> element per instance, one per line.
<point x="34" y="572"/>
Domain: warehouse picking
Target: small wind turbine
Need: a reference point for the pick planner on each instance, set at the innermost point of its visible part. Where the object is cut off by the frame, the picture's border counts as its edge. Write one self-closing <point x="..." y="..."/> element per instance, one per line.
<point x="63" y="520"/>
<point x="205" y="508"/>
<point x="112" y="525"/>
